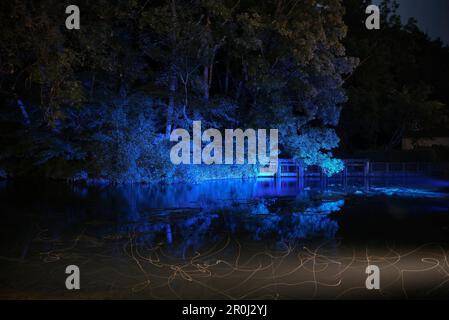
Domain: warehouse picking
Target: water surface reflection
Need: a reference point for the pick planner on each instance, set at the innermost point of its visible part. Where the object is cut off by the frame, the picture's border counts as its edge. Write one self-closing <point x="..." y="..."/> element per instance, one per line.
<point x="136" y="238"/>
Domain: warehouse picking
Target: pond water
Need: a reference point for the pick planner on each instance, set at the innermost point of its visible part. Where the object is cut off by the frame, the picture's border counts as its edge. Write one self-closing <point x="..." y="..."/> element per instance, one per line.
<point x="231" y="239"/>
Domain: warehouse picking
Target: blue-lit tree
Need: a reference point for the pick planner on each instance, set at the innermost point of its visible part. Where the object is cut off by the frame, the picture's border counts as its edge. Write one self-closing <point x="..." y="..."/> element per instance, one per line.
<point x="99" y="103"/>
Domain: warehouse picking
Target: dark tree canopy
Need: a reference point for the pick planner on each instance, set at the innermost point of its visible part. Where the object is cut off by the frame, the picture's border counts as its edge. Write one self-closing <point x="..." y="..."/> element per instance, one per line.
<point x="100" y="102"/>
<point x="401" y="85"/>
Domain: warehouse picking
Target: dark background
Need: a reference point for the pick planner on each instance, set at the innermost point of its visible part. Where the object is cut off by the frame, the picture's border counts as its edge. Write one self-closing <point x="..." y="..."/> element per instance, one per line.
<point x="432" y="16"/>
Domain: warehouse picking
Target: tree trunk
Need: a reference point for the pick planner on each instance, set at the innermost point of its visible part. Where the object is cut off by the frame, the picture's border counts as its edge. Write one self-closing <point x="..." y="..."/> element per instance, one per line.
<point x="172" y="87"/>
<point x="92" y="86"/>
<point x="206" y="83"/>
<point x="396" y="139"/>
<point x="25" y="116"/>
<point x="226" y="84"/>
<point x="171" y="101"/>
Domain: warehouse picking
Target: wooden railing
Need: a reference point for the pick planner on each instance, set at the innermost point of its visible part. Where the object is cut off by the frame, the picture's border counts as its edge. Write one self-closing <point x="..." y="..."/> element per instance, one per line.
<point x="354" y="168"/>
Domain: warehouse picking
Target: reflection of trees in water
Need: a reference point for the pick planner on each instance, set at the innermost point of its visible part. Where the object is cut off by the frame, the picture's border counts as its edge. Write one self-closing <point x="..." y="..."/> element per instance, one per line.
<point x="181" y="217"/>
<point x="189" y="230"/>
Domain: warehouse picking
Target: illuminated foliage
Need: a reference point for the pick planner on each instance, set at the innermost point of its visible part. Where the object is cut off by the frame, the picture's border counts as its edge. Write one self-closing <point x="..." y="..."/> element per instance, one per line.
<point x="101" y="101"/>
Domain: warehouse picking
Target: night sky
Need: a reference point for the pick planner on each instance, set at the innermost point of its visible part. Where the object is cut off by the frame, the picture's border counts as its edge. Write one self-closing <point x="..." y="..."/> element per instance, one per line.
<point x="432" y="16"/>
